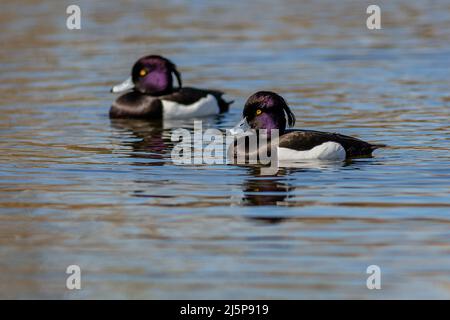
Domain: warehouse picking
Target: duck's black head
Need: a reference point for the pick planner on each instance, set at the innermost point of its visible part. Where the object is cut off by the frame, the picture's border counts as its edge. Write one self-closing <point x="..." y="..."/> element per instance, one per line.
<point x="267" y="110"/>
<point x="151" y="75"/>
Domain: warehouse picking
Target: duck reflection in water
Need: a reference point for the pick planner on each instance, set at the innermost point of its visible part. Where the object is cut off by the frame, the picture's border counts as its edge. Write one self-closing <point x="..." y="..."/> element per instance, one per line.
<point x="144" y="138"/>
<point x="265" y="190"/>
<point x="260" y="190"/>
<point x="276" y="190"/>
<point x="151" y="139"/>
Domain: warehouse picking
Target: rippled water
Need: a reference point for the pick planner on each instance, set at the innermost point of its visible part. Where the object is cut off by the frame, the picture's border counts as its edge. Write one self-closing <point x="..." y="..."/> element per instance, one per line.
<point x="77" y="188"/>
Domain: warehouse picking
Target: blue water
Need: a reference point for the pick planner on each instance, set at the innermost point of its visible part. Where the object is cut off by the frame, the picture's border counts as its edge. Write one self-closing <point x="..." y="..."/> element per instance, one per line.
<point x="77" y="188"/>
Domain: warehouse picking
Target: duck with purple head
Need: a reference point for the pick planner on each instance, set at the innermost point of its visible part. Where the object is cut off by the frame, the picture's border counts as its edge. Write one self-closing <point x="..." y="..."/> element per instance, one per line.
<point x="150" y="94"/>
<point x="268" y="110"/>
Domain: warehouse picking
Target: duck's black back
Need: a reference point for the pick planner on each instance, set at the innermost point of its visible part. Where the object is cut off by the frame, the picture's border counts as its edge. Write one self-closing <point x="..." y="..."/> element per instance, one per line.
<point x="187" y="96"/>
<point x="301" y="140"/>
<point x="139" y="105"/>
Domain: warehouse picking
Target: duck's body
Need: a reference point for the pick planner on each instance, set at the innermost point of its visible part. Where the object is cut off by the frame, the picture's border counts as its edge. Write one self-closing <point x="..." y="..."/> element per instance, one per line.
<point x="267" y="110"/>
<point x="182" y="103"/>
<point x="326" y="145"/>
<point x="154" y="97"/>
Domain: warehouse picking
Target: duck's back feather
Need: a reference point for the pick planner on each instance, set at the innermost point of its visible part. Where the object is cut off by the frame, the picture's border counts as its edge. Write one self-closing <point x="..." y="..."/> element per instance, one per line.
<point x="138" y="105"/>
<point x="188" y="96"/>
<point x="301" y="140"/>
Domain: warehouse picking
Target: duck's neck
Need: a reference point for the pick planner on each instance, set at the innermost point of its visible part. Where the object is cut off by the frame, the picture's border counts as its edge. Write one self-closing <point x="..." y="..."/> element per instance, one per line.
<point x="164" y="92"/>
<point x="269" y="123"/>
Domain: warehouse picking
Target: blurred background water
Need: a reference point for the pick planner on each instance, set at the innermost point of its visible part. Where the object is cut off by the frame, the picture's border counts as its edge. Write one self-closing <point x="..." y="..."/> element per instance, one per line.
<point x="77" y="188"/>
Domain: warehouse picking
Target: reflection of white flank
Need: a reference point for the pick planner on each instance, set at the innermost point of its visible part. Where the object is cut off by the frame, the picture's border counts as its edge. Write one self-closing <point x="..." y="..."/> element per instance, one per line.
<point x="326" y="151"/>
<point x="204" y="107"/>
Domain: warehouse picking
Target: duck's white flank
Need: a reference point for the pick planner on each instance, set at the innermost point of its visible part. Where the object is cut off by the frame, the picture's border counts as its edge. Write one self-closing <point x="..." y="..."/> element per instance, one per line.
<point x="204" y="107"/>
<point x="326" y="151"/>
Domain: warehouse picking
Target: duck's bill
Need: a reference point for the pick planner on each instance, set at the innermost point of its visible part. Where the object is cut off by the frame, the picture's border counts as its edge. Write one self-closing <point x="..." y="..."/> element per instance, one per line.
<point x="241" y="128"/>
<point x="124" y="86"/>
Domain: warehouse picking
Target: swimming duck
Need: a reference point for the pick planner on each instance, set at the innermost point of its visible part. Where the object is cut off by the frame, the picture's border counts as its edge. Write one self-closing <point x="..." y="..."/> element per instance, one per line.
<point x="150" y="94"/>
<point x="268" y="110"/>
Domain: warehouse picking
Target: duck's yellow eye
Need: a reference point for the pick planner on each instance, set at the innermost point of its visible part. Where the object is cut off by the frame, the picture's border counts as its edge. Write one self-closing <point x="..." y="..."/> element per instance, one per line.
<point x="258" y="112"/>
<point x="143" y="72"/>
